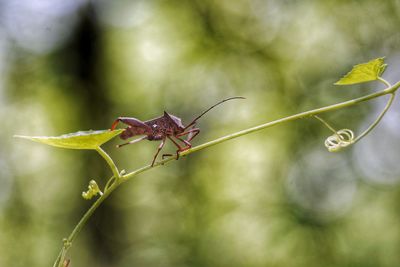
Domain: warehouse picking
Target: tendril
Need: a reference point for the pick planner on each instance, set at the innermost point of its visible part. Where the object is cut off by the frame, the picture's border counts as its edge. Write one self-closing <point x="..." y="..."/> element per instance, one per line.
<point x="339" y="140"/>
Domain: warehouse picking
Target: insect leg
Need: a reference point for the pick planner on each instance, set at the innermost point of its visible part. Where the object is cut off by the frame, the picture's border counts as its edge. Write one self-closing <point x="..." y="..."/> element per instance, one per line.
<point x="179" y="147"/>
<point x="133" y="141"/>
<point x="166" y="155"/>
<point x="130" y="121"/>
<point x="188" y="145"/>
<point x="192" y="133"/>
<point x="158" y="151"/>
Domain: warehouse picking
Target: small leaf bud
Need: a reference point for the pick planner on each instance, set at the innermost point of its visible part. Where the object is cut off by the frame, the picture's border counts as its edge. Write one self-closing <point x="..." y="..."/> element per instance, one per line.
<point x="93" y="190"/>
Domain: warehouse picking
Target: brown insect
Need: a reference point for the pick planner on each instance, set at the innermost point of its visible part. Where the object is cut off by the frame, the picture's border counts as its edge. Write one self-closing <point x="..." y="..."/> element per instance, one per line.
<point x="161" y="128"/>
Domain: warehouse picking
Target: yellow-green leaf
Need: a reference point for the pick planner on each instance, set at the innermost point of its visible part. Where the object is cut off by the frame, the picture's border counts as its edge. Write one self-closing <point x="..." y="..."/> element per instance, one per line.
<point x="78" y="140"/>
<point x="364" y="72"/>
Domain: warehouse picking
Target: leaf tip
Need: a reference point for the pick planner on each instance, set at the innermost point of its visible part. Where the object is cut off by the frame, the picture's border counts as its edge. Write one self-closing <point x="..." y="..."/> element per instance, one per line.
<point x="78" y="140"/>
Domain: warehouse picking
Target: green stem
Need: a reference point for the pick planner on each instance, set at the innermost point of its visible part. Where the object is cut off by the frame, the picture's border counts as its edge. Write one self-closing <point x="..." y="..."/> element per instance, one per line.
<point x="301" y="115"/>
<point x="58" y="260"/>
<point x="120" y="179"/>
<point x="109" y="161"/>
<point x="87" y="215"/>
<point x="384" y="81"/>
<point x="372" y="126"/>
<point x="109" y="188"/>
<point x="82" y="222"/>
<point x="325" y="123"/>
<point x="109" y="183"/>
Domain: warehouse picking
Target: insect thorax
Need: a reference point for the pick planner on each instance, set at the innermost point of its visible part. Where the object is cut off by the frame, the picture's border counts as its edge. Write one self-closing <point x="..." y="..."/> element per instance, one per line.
<point x="165" y="125"/>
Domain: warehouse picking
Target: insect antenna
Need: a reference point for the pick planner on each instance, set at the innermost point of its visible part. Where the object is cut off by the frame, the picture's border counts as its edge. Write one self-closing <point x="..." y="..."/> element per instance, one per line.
<point x="204" y="112"/>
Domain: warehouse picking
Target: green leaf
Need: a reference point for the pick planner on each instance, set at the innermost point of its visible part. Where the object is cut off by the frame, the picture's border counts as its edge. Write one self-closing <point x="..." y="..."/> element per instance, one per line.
<point x="78" y="140"/>
<point x="364" y="72"/>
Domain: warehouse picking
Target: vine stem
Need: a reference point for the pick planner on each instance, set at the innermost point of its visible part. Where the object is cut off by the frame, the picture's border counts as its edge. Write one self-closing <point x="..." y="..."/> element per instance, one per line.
<point x="122" y="178"/>
<point x="109" y="161"/>
<point x="111" y="185"/>
<point x="389" y="90"/>
<point x="326" y="124"/>
<point x="384" y="82"/>
<point x="379" y="118"/>
<point x="68" y="242"/>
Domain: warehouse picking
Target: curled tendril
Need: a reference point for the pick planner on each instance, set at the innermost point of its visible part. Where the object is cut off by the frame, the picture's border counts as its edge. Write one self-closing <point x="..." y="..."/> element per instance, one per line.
<point x="93" y="190"/>
<point x="339" y="140"/>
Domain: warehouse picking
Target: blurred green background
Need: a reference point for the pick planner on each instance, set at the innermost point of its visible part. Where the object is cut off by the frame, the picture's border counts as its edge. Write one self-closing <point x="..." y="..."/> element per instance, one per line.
<point x="272" y="198"/>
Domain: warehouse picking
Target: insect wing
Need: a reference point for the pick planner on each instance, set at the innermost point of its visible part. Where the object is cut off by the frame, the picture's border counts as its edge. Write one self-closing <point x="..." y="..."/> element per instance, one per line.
<point x="177" y="121"/>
